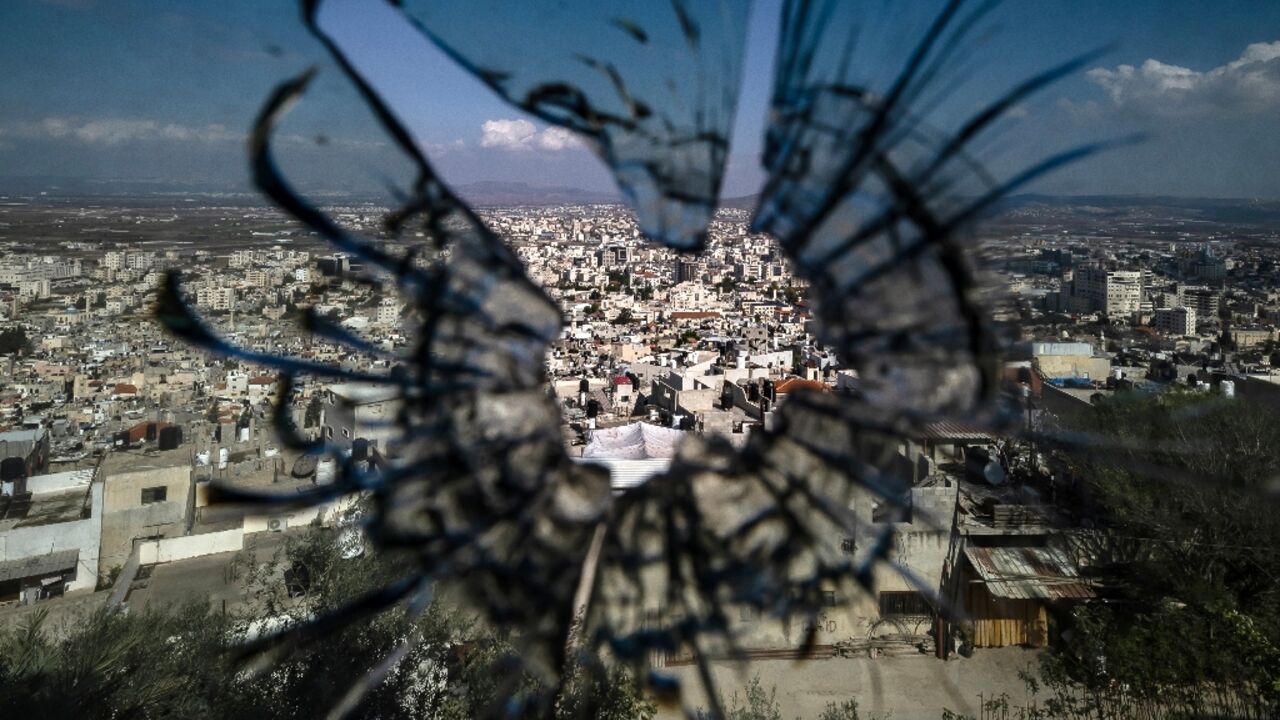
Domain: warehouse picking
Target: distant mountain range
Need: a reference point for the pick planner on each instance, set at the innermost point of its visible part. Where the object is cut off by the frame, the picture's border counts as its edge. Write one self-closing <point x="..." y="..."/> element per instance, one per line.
<point x="517" y="193"/>
<point x="152" y="191"/>
<point x="1228" y="210"/>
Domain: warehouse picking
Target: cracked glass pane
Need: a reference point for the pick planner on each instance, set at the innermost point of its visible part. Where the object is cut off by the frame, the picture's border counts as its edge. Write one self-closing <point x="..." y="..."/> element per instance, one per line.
<point x="474" y="487"/>
<point x="873" y="183"/>
<point x="650" y="87"/>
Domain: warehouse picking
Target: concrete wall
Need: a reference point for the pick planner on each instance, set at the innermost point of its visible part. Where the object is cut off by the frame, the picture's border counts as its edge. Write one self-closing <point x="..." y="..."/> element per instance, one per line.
<point x="83" y="535"/>
<point x="126" y="518"/>
<point x="57" y="482"/>
<point x="1074" y="366"/>
<point x="326" y="514"/>
<point x="124" y="489"/>
<point x="740" y="400"/>
<point x="694" y="401"/>
<point x="182" y="548"/>
<point x="922" y="546"/>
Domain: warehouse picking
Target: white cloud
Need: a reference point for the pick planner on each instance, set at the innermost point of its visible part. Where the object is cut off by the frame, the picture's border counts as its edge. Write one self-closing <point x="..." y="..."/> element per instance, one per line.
<point x="439" y="149"/>
<point x="523" y="135"/>
<point x="511" y="134"/>
<point x="1251" y="82"/>
<point x="556" y="138"/>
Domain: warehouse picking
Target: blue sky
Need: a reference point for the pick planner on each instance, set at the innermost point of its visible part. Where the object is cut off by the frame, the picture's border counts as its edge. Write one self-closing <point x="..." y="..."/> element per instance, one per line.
<point x="165" y="90"/>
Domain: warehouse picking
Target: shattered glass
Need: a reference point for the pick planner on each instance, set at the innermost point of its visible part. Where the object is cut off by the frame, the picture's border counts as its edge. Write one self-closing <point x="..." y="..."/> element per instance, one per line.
<point x="650" y="87"/>
<point x="865" y="196"/>
<point x="870" y="197"/>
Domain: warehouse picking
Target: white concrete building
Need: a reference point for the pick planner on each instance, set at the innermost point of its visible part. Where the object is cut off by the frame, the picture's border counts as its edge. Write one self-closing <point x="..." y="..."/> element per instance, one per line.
<point x="50" y="536"/>
<point x="1118" y="293"/>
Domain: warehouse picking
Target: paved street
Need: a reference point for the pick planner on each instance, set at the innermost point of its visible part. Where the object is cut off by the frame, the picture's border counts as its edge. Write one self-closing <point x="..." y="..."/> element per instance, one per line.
<point x="901" y="688"/>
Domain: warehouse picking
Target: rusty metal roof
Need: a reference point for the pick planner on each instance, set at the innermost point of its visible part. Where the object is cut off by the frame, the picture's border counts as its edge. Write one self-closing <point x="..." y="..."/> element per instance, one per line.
<point x="953" y="431"/>
<point x="1026" y="573"/>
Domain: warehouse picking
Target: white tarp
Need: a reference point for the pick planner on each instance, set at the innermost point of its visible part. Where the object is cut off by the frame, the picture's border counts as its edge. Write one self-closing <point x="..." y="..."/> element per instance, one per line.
<point x="637" y="441"/>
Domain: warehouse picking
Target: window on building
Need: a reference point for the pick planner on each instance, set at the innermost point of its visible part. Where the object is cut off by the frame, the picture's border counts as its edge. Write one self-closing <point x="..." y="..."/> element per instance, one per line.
<point x="894" y="603"/>
<point x="154" y="494"/>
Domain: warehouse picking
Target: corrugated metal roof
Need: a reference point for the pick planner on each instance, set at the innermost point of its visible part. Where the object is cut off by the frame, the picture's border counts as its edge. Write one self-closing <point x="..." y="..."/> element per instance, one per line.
<point x="1026" y="573"/>
<point x="951" y="431"/>
<point x="625" y="474"/>
<point x="39" y="565"/>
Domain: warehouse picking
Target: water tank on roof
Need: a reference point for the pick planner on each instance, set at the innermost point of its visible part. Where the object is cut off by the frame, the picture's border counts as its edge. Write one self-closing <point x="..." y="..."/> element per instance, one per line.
<point x="1228" y="388"/>
<point x="304" y="466"/>
<point x="326" y="471"/>
<point x="12" y="468"/>
<point x="223" y="456"/>
<point x="170" y="437"/>
<point x="202" y="458"/>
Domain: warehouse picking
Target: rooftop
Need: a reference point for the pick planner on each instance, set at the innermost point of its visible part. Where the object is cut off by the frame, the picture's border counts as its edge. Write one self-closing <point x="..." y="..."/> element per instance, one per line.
<point x="28" y="510"/>
<point x="364" y="392"/>
<point x="1028" y="573"/>
<point x="119" y="462"/>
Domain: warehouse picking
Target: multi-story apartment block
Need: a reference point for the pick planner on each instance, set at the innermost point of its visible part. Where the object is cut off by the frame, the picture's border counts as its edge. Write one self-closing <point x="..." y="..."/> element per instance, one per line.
<point x="1117" y="293"/>
<point x="1175" y="321"/>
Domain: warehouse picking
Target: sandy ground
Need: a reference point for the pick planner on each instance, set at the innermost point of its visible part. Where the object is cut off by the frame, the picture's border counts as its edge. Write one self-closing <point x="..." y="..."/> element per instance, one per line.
<point x="901" y="688"/>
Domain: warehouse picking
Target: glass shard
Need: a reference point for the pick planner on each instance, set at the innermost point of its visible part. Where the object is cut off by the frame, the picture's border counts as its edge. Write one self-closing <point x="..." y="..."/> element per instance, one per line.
<point x="870" y="189"/>
<point x="651" y="87"/>
<point x="864" y="196"/>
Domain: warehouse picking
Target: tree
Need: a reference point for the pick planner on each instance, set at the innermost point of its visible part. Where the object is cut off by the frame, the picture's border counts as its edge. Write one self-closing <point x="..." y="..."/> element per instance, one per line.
<point x="623" y="317"/>
<point x="1188" y="555"/>
<point x="14" y="340"/>
<point x="181" y="662"/>
<point x="312" y="417"/>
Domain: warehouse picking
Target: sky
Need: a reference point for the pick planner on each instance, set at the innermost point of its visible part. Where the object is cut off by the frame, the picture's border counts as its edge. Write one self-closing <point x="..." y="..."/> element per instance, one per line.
<point x="164" y="91"/>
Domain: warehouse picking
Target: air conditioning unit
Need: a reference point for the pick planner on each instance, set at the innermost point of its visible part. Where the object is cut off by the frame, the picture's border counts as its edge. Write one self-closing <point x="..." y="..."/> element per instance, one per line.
<point x="275" y="525"/>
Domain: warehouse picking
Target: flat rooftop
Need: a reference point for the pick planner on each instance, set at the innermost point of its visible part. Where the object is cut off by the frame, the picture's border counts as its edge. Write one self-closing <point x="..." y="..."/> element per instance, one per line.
<point x="119" y="462"/>
<point x="29" y="510"/>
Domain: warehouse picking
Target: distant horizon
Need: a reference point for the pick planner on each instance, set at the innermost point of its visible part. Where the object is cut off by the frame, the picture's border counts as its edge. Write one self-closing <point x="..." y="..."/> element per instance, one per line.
<point x="175" y="100"/>
<point x="74" y="187"/>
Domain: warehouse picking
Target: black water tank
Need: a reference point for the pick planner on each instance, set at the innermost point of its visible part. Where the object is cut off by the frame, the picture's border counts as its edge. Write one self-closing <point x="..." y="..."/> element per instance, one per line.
<point x="12" y="468"/>
<point x="170" y="437"/>
<point x="359" y="449"/>
<point x="593" y="408"/>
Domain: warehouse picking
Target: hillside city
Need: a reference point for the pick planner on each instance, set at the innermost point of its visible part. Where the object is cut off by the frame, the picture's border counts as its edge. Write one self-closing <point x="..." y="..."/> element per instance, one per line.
<point x="111" y="430"/>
